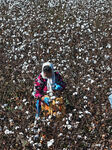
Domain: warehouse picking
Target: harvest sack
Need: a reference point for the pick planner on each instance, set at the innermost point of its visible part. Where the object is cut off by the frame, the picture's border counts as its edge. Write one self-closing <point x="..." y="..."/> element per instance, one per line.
<point x="56" y="107"/>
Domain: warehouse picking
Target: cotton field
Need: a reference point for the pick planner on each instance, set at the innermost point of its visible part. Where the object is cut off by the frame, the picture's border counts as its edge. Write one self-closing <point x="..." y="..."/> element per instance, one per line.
<point x="76" y="37"/>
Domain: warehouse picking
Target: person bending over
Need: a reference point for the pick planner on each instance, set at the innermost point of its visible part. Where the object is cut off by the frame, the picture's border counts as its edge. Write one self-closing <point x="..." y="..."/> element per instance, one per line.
<point x="47" y="82"/>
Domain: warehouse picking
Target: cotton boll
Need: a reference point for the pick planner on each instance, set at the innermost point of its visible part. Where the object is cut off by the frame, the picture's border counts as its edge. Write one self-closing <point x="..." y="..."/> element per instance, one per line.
<point x="31" y="142"/>
<point x="1" y="19"/>
<point x="64" y="126"/>
<point x="36" y="145"/>
<point x="69" y="127"/>
<point x="70" y="114"/>
<point x="5" y="127"/>
<point x="50" y="143"/>
<point x="89" y="31"/>
<point x="80" y="116"/>
<point x="88" y="89"/>
<point x="77" y="25"/>
<point x="110" y="89"/>
<point x="47" y="50"/>
<point x="15" y="57"/>
<point x="27" y="112"/>
<point x="2" y="118"/>
<point x="107" y="57"/>
<point x="11" y="132"/>
<point x="87" y="112"/>
<point x="65" y="68"/>
<point x="97" y="145"/>
<point x="61" y="49"/>
<point x="79" y="57"/>
<point x="16" y="107"/>
<point x="100" y="48"/>
<point x="67" y="122"/>
<point x="60" y="135"/>
<point x="94" y="61"/>
<point x="92" y="81"/>
<point x="74" y="109"/>
<point x="47" y="120"/>
<point x="28" y="116"/>
<point x="24" y="100"/>
<point x="82" y="26"/>
<point x="85" y="137"/>
<point x="93" y="125"/>
<point x="35" y="34"/>
<point x="48" y="123"/>
<point x="8" y="132"/>
<point x="38" y="130"/>
<point x="10" y="120"/>
<point x="2" y="106"/>
<point x="85" y="106"/>
<point x="108" y="45"/>
<point x="66" y="118"/>
<point x="21" y="133"/>
<point x="63" y="119"/>
<point x="5" y="105"/>
<point x="108" y="68"/>
<point x="26" y="130"/>
<point x="75" y="93"/>
<point x="87" y="59"/>
<point x="25" y="66"/>
<point x="80" y="112"/>
<point x="26" y="103"/>
<point x="103" y="114"/>
<point x="79" y="136"/>
<point x="14" y="81"/>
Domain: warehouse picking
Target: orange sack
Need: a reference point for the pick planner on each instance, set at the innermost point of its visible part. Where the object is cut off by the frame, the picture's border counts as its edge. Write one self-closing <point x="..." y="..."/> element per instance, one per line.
<point x="56" y="107"/>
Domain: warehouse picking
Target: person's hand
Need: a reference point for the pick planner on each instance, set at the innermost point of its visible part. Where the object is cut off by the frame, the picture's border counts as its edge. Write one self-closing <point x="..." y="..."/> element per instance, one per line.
<point x="46" y="100"/>
<point x="57" y="87"/>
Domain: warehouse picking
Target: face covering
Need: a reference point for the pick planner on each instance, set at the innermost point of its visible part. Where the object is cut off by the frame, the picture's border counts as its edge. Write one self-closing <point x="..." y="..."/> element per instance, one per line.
<point x="50" y="81"/>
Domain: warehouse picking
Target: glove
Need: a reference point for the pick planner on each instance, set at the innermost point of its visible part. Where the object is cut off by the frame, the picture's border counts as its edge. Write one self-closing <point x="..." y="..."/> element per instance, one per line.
<point x="46" y="100"/>
<point x="57" y="87"/>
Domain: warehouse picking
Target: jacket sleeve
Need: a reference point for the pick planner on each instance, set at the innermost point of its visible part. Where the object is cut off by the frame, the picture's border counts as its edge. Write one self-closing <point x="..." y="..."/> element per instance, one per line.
<point x="60" y="81"/>
<point x="38" y="86"/>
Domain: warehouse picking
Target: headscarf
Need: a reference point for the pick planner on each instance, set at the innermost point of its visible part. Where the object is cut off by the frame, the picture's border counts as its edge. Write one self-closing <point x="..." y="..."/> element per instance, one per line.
<point x="50" y="81"/>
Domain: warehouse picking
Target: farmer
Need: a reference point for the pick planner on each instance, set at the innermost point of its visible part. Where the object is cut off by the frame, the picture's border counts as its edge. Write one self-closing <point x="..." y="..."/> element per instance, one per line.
<point x="48" y="81"/>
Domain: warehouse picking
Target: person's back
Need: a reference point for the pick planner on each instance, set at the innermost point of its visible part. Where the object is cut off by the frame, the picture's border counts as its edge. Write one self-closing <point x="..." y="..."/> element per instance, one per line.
<point x="40" y="85"/>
